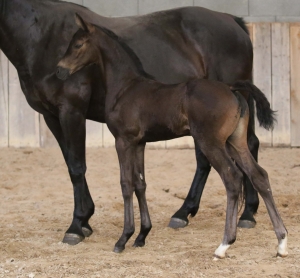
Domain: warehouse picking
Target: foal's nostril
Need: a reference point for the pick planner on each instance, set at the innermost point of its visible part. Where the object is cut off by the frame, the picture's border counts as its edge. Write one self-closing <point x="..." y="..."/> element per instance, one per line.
<point x="62" y="73"/>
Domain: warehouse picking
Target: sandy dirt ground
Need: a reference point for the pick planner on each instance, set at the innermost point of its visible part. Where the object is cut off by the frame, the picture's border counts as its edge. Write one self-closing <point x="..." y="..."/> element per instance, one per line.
<point x="36" y="209"/>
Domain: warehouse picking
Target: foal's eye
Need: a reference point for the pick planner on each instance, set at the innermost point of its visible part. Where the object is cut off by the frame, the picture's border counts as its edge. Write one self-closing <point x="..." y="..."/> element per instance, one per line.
<point x="77" y="46"/>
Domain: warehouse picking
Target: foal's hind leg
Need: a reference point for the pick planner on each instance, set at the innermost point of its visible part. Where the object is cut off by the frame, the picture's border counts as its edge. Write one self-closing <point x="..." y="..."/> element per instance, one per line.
<point x="192" y="201"/>
<point x="232" y="179"/>
<point x="259" y="178"/>
<point x="238" y="149"/>
<point x="140" y="192"/>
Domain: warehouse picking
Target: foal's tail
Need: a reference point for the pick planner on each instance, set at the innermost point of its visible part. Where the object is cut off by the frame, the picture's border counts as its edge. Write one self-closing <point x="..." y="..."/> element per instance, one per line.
<point x="265" y="115"/>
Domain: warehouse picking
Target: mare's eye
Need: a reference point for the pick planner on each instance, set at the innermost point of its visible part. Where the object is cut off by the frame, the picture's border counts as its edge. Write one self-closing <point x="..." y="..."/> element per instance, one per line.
<point x="77" y="46"/>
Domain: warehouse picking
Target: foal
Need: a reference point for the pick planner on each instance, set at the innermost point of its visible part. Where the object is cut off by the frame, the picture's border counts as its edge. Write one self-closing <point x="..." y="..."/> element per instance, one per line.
<point x="139" y="110"/>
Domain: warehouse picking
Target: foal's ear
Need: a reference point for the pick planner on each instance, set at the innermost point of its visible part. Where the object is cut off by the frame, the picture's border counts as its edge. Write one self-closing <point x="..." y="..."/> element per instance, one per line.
<point x="85" y="26"/>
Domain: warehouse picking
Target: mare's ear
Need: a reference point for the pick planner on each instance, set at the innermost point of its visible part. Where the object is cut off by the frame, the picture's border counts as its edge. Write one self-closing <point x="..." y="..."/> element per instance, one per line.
<point x="85" y="26"/>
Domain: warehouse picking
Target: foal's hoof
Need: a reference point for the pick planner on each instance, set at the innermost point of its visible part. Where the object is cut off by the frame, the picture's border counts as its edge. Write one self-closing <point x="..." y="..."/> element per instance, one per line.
<point x="282" y="255"/>
<point x="87" y="232"/>
<point x="176" y="223"/>
<point x="72" y="239"/>
<point x="246" y="224"/>
<point x="119" y="249"/>
<point x="216" y="257"/>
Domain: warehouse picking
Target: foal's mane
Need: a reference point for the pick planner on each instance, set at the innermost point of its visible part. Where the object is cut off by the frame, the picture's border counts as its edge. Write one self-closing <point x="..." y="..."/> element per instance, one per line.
<point x="128" y="50"/>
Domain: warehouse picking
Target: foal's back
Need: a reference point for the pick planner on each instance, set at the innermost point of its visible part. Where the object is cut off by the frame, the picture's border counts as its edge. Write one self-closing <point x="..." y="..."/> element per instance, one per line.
<point x="162" y="112"/>
<point x="157" y="111"/>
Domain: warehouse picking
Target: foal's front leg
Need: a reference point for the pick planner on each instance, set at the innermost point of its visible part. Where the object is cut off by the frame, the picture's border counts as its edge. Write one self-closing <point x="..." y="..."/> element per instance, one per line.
<point x="126" y="155"/>
<point x="140" y="192"/>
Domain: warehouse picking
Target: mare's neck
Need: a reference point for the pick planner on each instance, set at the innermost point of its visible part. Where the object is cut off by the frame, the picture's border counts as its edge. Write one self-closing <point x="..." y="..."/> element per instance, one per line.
<point x="32" y="31"/>
<point x="120" y="69"/>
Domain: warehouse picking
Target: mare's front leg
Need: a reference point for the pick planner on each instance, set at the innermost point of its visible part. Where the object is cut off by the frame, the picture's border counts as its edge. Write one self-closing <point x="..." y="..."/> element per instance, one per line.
<point x="251" y="197"/>
<point x="126" y="154"/>
<point x="71" y="138"/>
<point x="55" y="127"/>
<point x="192" y="201"/>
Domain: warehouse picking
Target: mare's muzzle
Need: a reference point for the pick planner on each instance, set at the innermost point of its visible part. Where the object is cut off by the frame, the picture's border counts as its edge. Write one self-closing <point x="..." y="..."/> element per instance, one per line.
<point x="62" y="73"/>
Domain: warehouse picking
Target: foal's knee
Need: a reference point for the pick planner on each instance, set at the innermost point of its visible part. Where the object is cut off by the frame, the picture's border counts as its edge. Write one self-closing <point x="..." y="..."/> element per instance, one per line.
<point x="139" y="184"/>
<point x="127" y="189"/>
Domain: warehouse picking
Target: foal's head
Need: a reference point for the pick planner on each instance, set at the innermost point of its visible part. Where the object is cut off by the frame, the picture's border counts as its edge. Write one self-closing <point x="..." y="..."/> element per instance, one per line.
<point x="81" y="51"/>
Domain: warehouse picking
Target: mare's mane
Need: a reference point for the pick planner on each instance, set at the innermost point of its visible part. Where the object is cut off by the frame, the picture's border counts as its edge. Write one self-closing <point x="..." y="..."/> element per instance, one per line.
<point x="128" y="50"/>
<point x="3" y="4"/>
<point x="3" y="7"/>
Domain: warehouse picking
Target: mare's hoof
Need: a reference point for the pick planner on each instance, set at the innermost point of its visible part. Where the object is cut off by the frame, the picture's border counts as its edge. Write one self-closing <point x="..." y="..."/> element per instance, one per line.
<point x="246" y="224"/>
<point x="87" y="232"/>
<point x="72" y="239"/>
<point x="138" y="244"/>
<point x="119" y="249"/>
<point x="176" y="223"/>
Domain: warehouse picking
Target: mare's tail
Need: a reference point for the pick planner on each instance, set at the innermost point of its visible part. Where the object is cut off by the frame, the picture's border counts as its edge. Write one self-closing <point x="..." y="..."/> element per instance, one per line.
<point x="265" y="115"/>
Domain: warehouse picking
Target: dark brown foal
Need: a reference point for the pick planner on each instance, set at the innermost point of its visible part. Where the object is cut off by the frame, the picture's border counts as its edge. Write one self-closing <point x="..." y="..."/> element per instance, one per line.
<point x="140" y="110"/>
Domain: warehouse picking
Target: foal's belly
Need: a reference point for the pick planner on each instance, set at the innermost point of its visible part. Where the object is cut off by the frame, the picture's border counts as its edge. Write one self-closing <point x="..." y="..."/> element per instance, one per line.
<point x="161" y="133"/>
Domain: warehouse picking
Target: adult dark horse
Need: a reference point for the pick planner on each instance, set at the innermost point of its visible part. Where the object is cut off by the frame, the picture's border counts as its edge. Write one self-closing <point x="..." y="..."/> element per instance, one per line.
<point x="140" y="110"/>
<point x="173" y="46"/>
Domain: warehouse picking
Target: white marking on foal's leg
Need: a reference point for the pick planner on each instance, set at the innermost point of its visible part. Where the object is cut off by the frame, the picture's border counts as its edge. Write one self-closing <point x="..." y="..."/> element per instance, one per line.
<point x="282" y="247"/>
<point x="141" y="177"/>
<point x="221" y="251"/>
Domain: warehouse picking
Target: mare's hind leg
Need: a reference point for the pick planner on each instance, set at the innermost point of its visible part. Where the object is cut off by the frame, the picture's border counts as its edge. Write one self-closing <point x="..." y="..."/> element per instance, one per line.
<point x="140" y="192"/>
<point x="192" y="201"/>
<point x="251" y="197"/>
<point x="232" y="178"/>
<point x="78" y="229"/>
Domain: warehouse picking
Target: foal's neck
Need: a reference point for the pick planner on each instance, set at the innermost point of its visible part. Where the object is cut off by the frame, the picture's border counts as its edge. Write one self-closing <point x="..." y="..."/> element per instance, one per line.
<point x="121" y="65"/>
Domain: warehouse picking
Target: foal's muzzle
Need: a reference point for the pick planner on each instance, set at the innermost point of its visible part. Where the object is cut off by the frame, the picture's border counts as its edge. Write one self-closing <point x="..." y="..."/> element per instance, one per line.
<point x="62" y="73"/>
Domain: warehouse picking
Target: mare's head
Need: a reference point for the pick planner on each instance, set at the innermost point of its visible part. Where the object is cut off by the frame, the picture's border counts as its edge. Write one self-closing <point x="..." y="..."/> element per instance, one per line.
<point x="81" y="51"/>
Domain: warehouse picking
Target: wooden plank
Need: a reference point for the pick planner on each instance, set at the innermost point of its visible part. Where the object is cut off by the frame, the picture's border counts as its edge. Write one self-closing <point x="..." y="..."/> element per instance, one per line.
<point x="250" y="29"/>
<point x="186" y="142"/>
<point x="94" y="134"/>
<point x="47" y="139"/>
<point x="281" y="83"/>
<point x="157" y="145"/>
<point x="108" y="138"/>
<point x="295" y="84"/>
<point x="3" y="100"/>
<point x="262" y="71"/>
<point x="23" y="120"/>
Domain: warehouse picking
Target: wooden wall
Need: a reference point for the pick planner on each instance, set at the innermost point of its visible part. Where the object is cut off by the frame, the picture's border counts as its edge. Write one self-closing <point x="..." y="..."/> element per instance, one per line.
<point x="276" y="72"/>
